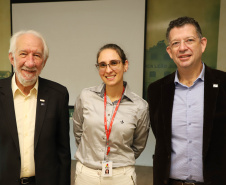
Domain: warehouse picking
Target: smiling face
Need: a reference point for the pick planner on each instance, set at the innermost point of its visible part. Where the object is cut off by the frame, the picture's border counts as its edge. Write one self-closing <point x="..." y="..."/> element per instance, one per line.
<point x="109" y="76"/>
<point x="28" y="60"/>
<point x="186" y="47"/>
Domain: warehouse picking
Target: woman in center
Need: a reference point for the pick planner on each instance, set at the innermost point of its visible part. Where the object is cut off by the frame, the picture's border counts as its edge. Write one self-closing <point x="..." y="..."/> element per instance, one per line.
<point x="111" y="125"/>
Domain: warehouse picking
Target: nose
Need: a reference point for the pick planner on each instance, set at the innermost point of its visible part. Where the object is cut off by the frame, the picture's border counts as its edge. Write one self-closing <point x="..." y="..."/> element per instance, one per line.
<point x="30" y="63"/>
<point x="183" y="46"/>
<point x="108" y="68"/>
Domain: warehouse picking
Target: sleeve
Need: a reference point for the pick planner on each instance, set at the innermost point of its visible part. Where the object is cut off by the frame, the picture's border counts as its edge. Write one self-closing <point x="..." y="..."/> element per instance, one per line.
<point x="141" y="133"/>
<point x="63" y="149"/>
<point x="78" y="120"/>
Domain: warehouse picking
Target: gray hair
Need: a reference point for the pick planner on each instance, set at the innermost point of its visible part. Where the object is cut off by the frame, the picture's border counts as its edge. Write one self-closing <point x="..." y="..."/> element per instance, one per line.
<point x="16" y="35"/>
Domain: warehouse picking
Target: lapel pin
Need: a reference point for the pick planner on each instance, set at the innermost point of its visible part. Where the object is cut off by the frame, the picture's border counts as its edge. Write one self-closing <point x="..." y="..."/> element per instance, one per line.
<point x="42" y="102"/>
<point x="215" y="85"/>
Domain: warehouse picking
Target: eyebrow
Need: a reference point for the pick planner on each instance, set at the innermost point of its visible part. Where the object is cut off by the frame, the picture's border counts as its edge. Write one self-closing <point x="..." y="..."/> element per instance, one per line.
<point x="37" y="52"/>
<point x="110" y="60"/>
<point x="183" y="39"/>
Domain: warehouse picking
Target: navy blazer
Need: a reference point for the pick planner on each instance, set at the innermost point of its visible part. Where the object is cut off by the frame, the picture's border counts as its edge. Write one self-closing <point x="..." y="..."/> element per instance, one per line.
<point x="51" y="142"/>
<point x="160" y="99"/>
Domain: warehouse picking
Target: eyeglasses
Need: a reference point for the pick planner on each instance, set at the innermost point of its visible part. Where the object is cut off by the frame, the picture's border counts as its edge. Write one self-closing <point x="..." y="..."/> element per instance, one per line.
<point x="188" y="42"/>
<point x="113" y="64"/>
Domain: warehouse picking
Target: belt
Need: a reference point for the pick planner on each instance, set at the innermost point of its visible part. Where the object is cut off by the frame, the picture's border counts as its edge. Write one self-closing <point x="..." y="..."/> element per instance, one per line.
<point x="27" y="180"/>
<point x="181" y="182"/>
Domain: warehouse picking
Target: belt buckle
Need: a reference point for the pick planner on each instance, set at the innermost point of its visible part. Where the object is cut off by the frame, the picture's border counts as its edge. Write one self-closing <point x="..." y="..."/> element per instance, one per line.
<point x="22" y="180"/>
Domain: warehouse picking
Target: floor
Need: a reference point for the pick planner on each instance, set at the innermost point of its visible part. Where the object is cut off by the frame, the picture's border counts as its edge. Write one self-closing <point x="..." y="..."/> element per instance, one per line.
<point x="144" y="174"/>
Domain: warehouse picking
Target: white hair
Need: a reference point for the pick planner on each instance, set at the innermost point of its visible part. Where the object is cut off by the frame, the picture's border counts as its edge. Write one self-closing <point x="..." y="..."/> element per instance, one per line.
<point x="13" y="40"/>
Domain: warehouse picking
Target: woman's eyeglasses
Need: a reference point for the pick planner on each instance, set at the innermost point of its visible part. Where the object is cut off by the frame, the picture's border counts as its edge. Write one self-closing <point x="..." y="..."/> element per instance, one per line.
<point x="113" y="64"/>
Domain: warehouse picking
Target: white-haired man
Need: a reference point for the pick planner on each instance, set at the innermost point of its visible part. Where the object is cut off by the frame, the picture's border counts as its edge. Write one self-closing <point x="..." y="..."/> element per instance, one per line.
<point x="34" y="119"/>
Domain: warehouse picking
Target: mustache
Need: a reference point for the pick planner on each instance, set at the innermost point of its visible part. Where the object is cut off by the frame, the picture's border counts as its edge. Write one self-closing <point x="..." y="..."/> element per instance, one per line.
<point x="33" y="69"/>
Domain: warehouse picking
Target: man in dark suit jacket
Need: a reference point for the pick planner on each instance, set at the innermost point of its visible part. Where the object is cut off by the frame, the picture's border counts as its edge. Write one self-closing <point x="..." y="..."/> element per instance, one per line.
<point x="34" y="119"/>
<point x="188" y="113"/>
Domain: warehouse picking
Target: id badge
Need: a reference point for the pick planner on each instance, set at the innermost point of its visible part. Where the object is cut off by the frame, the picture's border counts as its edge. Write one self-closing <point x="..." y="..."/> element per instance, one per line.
<point x="106" y="168"/>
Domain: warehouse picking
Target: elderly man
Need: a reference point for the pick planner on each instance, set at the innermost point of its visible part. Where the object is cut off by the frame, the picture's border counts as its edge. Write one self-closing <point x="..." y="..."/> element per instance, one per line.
<point x="188" y="113"/>
<point x="34" y="119"/>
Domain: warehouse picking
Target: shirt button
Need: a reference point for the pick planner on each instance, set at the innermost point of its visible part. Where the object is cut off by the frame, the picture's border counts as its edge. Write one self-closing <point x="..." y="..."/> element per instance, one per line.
<point x="190" y="141"/>
<point x="190" y="159"/>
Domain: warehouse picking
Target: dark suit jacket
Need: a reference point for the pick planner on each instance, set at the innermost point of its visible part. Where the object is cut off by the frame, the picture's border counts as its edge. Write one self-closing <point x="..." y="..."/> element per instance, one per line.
<point x="160" y="99"/>
<point x="51" y="143"/>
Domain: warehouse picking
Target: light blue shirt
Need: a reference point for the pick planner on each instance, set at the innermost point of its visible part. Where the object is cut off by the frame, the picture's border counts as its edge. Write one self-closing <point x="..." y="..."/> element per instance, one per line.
<point x="187" y="130"/>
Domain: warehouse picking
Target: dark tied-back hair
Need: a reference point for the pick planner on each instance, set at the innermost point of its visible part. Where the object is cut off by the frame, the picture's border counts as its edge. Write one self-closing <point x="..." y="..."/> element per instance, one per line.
<point x="181" y="21"/>
<point x="115" y="47"/>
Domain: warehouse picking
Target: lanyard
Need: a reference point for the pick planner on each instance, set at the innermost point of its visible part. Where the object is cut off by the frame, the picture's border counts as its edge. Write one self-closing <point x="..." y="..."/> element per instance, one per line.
<point x="108" y="131"/>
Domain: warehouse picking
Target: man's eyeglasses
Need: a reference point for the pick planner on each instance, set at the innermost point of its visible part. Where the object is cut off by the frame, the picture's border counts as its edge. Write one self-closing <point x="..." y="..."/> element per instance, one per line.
<point x="113" y="64"/>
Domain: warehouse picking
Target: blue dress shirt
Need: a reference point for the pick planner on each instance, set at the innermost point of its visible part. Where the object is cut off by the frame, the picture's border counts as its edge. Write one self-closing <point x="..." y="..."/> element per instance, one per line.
<point x="187" y="130"/>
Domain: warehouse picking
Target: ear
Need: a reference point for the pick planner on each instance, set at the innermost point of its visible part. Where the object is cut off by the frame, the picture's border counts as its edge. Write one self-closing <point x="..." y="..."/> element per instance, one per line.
<point x="11" y="59"/>
<point x="168" y="49"/>
<point x="126" y="65"/>
<point x="203" y="43"/>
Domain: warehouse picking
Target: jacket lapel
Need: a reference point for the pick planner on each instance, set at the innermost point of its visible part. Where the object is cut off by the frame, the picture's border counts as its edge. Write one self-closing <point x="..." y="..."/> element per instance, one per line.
<point x="7" y="107"/>
<point x="42" y="102"/>
<point x="211" y="89"/>
<point x="168" y="90"/>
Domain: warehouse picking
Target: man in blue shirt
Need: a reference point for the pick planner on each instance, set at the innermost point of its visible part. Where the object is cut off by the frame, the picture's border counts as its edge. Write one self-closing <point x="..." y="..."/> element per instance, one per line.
<point x="188" y="113"/>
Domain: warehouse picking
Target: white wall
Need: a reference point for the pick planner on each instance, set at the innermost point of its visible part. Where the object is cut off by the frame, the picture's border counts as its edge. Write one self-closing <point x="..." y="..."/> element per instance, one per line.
<point x="76" y="30"/>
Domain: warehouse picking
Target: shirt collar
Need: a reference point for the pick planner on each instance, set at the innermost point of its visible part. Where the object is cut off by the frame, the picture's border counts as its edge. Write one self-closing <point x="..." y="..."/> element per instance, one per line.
<point x="15" y="88"/>
<point x="201" y="76"/>
<point x="127" y="94"/>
